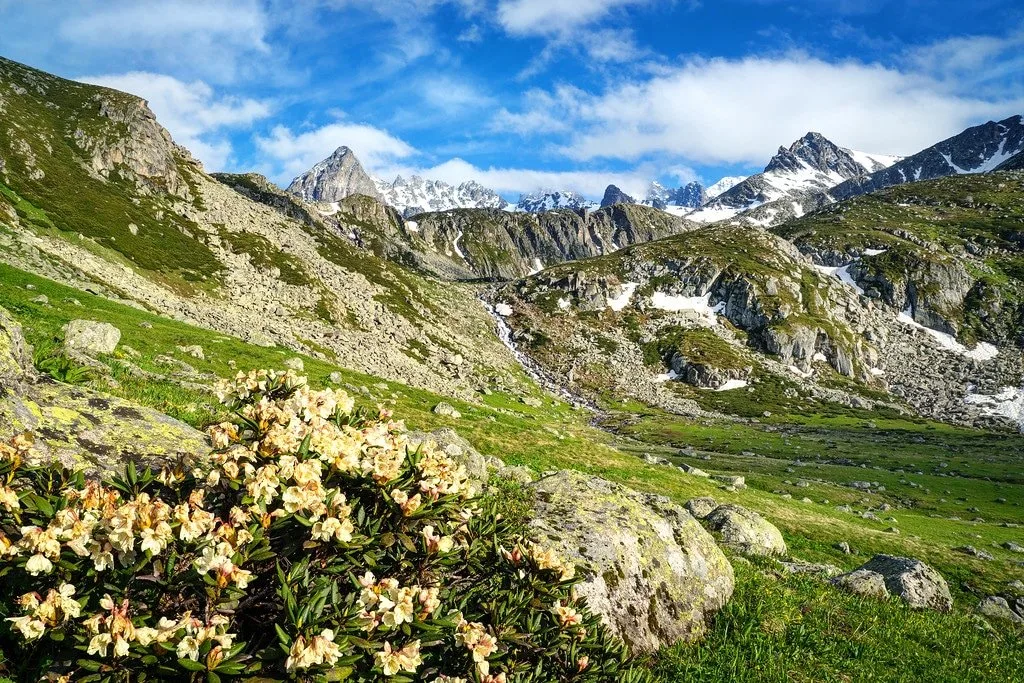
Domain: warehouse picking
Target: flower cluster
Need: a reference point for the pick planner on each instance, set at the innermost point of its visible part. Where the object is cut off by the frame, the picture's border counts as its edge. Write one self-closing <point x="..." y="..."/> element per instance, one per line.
<point x="387" y="605"/>
<point x="58" y="607"/>
<point x="478" y="641"/>
<point x="184" y="569"/>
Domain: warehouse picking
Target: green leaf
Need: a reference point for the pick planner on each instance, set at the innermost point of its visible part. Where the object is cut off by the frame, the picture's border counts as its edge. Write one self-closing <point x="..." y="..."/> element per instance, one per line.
<point x="190" y="665"/>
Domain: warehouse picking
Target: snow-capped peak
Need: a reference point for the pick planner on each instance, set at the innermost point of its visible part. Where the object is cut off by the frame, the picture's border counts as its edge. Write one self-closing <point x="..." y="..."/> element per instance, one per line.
<point x="724" y="185"/>
<point x="419" y="195"/>
<point x="548" y="200"/>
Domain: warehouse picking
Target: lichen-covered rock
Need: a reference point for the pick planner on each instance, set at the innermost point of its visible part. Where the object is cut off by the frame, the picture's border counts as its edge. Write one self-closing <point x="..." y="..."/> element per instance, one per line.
<point x="863" y="582"/>
<point x="90" y="337"/>
<point x="81" y="427"/>
<point x="701" y="507"/>
<point x="650" y="570"/>
<point x="746" y="531"/>
<point x="916" y="583"/>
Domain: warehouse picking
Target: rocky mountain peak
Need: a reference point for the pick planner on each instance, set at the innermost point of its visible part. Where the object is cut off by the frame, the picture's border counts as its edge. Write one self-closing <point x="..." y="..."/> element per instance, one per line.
<point x="338" y="176"/>
<point x="613" y="195"/>
<point x="816" y="152"/>
<point x="692" y="194"/>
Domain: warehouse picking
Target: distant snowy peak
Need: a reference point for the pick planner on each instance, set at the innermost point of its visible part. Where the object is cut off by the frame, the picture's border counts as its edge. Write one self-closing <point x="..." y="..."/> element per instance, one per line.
<point x="978" y="149"/>
<point x="724" y="185"/>
<point x="548" y="200"/>
<point x="418" y="195"/>
<point x="811" y="165"/>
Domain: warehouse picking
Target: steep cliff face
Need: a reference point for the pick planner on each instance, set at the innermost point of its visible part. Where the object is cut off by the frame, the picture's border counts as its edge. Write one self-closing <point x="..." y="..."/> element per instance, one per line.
<point x="490" y="244"/>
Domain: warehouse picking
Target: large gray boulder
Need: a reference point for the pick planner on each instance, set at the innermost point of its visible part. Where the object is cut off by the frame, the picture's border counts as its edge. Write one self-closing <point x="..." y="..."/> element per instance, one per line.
<point x="649" y="568"/>
<point x="90" y="337"/>
<point x="745" y="531"/>
<point x="916" y="583"/>
<point x="81" y="427"/>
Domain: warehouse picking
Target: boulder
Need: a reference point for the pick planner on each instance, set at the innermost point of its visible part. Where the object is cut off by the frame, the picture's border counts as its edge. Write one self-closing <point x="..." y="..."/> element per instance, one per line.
<point x="649" y="568"/>
<point x="445" y="409"/>
<point x="90" y="337"/>
<point x="81" y="427"/>
<point x="731" y="480"/>
<point x="745" y="531"/>
<point x="998" y="608"/>
<point x="863" y="582"/>
<point x="916" y="583"/>
<point x="701" y="507"/>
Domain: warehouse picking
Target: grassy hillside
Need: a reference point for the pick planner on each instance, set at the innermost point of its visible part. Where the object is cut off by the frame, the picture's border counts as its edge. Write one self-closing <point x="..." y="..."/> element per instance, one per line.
<point x="778" y="626"/>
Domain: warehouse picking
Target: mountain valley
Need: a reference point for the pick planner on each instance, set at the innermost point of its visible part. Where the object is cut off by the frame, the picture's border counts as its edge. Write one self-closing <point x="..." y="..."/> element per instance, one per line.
<point x="833" y="347"/>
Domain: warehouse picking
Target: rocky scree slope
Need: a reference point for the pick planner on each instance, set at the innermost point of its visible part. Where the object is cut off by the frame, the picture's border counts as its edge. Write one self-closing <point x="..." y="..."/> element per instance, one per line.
<point x="147" y="225"/>
<point x="499" y="245"/>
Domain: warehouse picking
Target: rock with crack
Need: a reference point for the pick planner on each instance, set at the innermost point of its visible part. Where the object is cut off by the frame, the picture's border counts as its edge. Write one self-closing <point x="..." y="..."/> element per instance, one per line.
<point x="80" y="427"/>
<point x="649" y="569"/>
<point x="913" y="581"/>
<point x="745" y="531"/>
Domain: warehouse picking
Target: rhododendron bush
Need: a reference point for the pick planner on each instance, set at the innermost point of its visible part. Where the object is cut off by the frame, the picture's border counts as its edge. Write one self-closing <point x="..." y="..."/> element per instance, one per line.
<point x="313" y="544"/>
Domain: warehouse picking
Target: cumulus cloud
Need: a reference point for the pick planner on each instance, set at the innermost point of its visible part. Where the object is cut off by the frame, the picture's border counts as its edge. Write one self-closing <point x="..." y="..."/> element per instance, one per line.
<point x="292" y="154"/>
<point x="741" y="110"/>
<point x="195" y="115"/>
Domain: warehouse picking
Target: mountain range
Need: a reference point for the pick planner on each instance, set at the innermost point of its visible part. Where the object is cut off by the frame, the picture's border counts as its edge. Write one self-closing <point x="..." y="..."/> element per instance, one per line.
<point x="810" y="173"/>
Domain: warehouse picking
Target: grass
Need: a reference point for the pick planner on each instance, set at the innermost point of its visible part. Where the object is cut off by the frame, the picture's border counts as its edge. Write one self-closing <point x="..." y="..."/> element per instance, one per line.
<point x="788" y="629"/>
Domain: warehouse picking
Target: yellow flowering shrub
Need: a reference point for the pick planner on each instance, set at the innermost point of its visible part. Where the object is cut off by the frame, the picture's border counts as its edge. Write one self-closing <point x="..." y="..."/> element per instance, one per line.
<point x="312" y="544"/>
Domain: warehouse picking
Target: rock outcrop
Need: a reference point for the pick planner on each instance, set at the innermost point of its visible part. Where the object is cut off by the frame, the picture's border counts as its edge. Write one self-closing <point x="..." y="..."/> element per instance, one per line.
<point x="81" y="427"/>
<point x="650" y="570"/>
<point x="917" y="584"/>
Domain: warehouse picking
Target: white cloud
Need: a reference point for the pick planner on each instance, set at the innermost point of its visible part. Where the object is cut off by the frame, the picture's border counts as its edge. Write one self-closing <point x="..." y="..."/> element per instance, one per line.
<point x="741" y="110"/>
<point x="196" y="117"/>
<point x="216" y="38"/>
<point x="549" y="17"/>
<point x="292" y="154"/>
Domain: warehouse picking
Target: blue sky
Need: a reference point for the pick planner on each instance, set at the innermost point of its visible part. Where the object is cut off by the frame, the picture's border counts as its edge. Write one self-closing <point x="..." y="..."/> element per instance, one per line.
<point x="521" y="94"/>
